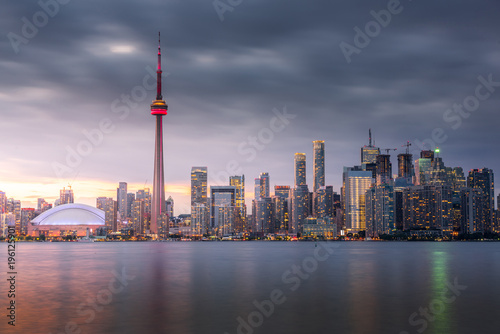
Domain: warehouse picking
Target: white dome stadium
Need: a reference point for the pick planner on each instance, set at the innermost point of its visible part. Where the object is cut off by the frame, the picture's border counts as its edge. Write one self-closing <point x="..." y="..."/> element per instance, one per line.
<point x="71" y="214"/>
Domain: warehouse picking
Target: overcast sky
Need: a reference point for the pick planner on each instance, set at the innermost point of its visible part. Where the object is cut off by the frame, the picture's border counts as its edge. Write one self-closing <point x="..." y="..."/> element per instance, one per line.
<point x="228" y="68"/>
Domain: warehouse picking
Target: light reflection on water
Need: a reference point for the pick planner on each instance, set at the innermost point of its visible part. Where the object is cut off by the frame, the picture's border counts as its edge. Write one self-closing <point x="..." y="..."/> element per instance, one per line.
<point x="197" y="287"/>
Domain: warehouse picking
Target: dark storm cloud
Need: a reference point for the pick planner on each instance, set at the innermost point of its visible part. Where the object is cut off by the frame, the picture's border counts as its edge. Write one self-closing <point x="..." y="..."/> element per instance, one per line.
<point x="225" y="78"/>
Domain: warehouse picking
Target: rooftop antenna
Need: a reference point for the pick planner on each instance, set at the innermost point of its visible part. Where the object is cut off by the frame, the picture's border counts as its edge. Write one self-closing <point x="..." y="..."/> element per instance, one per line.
<point x="370" y="137"/>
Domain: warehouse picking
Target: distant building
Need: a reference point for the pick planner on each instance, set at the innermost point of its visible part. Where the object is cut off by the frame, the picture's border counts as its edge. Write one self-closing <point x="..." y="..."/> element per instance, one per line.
<point x="66" y="196"/>
<point x="369" y="153"/>
<point x="222" y="209"/>
<point x="318" y="164"/>
<point x="169" y="204"/>
<point x="405" y="167"/>
<point x="282" y="205"/>
<point x="130" y="200"/>
<point x="14" y="207"/>
<point x="111" y="214"/>
<point x="319" y="228"/>
<point x="380" y="210"/>
<point x="384" y="169"/>
<point x="27" y="215"/>
<point x="265" y="216"/>
<point x="356" y="184"/>
<point x="199" y="185"/>
<point x="264" y="185"/>
<point x="300" y="169"/>
<point x="241" y="209"/>
<point x="200" y="215"/>
<point x="428" y="207"/>
<point x="323" y="202"/>
<point x="139" y="217"/>
<point x="472" y="204"/>
<point x="121" y="198"/>
<point x="483" y="179"/>
<point x="299" y="197"/>
<point x="3" y="202"/>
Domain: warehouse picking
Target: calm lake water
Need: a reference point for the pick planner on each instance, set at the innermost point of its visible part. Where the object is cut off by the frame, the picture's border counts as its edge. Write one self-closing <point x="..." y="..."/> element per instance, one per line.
<point x="255" y="287"/>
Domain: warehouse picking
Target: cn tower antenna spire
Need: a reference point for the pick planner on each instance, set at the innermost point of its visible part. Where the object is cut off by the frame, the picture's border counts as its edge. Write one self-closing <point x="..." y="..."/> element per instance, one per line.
<point x="158" y="72"/>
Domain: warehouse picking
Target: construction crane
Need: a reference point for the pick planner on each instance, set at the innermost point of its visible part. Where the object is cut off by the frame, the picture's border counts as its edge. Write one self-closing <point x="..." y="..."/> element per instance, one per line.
<point x="389" y="149"/>
<point x="408" y="144"/>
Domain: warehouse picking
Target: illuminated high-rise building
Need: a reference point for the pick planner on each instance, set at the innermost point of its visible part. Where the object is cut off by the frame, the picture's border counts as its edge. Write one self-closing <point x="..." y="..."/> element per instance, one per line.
<point x="318" y="164"/>
<point x="356" y="184"/>
<point x="14" y="207"/>
<point x="299" y="197"/>
<point x="264" y="185"/>
<point x="369" y="153"/>
<point x="422" y="172"/>
<point x="3" y="202"/>
<point x="472" y="207"/>
<point x="428" y="207"/>
<point x="300" y="169"/>
<point x="130" y="200"/>
<point x="264" y="216"/>
<point x="200" y="215"/>
<point x="324" y="202"/>
<point x="222" y="209"/>
<point x="27" y="215"/>
<point x="158" y="109"/>
<point x="111" y="215"/>
<point x="240" y="219"/>
<point x="66" y="196"/>
<point x="138" y="215"/>
<point x="483" y="179"/>
<point x="380" y="217"/>
<point x="199" y="177"/>
<point x="282" y="204"/>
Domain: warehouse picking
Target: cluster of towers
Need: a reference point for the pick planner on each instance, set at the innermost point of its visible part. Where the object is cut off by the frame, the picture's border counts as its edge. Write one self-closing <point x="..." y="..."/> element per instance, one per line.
<point x="425" y="198"/>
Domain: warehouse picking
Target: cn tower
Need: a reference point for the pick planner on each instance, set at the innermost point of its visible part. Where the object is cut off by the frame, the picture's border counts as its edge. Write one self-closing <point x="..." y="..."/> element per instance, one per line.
<point x="158" y="109"/>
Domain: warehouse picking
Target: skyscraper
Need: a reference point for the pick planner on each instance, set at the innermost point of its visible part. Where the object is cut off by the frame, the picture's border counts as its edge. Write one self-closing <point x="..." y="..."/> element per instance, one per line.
<point x="170" y="206"/>
<point x="3" y="202"/>
<point x="300" y="169"/>
<point x="428" y="207"/>
<point x="299" y="197"/>
<point x="110" y="215"/>
<point x="130" y="200"/>
<point x="282" y="204"/>
<point x="66" y="196"/>
<point x="384" y="169"/>
<point x="369" y="153"/>
<point x="405" y="166"/>
<point x="199" y="185"/>
<point x="483" y="179"/>
<point x="318" y="164"/>
<point x="264" y="185"/>
<point x="121" y="199"/>
<point x="158" y="109"/>
<point x="257" y="192"/>
<point x="356" y="184"/>
<point x="239" y="183"/>
<point x="222" y="209"/>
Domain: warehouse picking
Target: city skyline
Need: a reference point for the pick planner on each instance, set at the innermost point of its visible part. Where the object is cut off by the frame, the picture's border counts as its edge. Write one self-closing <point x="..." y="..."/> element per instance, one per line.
<point x="330" y="99"/>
